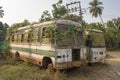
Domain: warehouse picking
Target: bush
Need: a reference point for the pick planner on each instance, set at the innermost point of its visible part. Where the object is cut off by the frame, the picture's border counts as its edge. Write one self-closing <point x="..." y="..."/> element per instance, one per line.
<point x="6" y="50"/>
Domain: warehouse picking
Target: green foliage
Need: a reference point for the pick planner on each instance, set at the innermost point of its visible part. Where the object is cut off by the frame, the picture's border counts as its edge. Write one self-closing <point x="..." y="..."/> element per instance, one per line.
<point x="72" y="29"/>
<point x="23" y="71"/>
<point x="6" y="49"/>
<point x="60" y="35"/>
<point x="112" y="34"/>
<point x="59" y="10"/>
<point x="73" y="17"/>
<point x="22" y="24"/>
<point x="15" y="26"/>
<point x="1" y="12"/>
<point x="20" y="71"/>
<point x="95" y="8"/>
<point x="54" y="34"/>
<point x="45" y="16"/>
<point x="50" y="31"/>
<point x="31" y="33"/>
<point x="3" y="29"/>
<point x="98" y="26"/>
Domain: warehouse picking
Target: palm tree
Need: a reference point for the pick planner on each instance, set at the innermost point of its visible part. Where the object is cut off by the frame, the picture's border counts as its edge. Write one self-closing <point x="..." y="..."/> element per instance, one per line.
<point x="96" y="9"/>
<point x="1" y="12"/>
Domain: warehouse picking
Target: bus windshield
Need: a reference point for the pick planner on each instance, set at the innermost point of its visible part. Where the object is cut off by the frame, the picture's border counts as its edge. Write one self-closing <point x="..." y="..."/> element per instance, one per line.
<point x="68" y="35"/>
<point x="98" y="39"/>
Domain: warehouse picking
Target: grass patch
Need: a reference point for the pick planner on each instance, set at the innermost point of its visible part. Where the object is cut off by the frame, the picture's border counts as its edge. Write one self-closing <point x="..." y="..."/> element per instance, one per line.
<point x="12" y="70"/>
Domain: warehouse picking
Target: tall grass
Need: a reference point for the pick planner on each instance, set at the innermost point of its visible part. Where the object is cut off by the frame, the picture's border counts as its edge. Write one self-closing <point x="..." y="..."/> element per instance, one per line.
<point x="14" y="70"/>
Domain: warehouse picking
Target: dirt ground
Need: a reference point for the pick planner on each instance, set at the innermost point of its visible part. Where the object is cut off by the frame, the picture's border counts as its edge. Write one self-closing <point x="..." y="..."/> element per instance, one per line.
<point x="108" y="71"/>
<point x="98" y="71"/>
<point x="114" y="63"/>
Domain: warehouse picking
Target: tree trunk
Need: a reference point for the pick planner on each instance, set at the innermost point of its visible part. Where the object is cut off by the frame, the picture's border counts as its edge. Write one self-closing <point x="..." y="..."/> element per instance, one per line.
<point x="102" y="20"/>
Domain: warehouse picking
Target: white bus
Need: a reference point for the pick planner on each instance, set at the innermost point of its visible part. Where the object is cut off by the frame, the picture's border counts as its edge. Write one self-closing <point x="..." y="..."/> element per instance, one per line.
<point x="59" y="43"/>
<point x="95" y="42"/>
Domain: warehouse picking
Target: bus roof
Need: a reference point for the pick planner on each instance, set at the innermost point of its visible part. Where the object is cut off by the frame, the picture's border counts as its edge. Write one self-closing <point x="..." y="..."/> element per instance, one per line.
<point x="94" y="30"/>
<point x="60" y="21"/>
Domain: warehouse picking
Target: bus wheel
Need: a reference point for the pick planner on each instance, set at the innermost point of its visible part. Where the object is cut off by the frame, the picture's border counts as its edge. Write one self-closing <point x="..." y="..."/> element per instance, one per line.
<point x="17" y="56"/>
<point x="47" y="62"/>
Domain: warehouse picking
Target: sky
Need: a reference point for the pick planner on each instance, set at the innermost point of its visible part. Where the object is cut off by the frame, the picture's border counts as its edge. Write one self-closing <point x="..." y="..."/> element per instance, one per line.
<point x="18" y="10"/>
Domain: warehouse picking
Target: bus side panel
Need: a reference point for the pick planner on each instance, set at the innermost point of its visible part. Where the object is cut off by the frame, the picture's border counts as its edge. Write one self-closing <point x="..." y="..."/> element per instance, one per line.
<point x="30" y="57"/>
<point x="97" y="55"/>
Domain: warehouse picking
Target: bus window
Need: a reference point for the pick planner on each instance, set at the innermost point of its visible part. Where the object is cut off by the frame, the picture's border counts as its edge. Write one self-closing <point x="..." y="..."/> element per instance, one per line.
<point x="22" y="37"/>
<point x="28" y="39"/>
<point x="43" y="32"/>
<point x="17" y="38"/>
<point x="45" y="36"/>
<point x="12" y="38"/>
<point x="95" y="39"/>
<point x="39" y="35"/>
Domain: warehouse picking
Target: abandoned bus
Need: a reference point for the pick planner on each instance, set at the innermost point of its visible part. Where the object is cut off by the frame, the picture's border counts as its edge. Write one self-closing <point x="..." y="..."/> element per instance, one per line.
<point x="59" y="43"/>
<point x="96" y="45"/>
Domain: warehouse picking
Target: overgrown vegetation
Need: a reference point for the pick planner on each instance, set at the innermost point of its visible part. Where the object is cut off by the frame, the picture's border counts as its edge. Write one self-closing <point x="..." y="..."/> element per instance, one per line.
<point x="6" y="50"/>
<point x="111" y="32"/>
<point x="46" y="16"/>
<point x="12" y="70"/>
<point x="3" y="39"/>
<point x="3" y="29"/>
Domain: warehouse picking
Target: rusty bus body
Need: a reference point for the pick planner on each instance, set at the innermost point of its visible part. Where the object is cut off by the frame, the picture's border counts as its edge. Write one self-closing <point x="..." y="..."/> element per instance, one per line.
<point x="59" y="43"/>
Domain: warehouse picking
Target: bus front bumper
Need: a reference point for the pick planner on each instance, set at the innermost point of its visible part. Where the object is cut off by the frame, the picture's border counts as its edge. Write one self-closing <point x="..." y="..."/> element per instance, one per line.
<point x="67" y="65"/>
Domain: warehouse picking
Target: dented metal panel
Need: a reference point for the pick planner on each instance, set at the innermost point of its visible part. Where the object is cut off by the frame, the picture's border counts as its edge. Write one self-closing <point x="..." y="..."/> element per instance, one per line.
<point x="63" y="55"/>
<point x="97" y="54"/>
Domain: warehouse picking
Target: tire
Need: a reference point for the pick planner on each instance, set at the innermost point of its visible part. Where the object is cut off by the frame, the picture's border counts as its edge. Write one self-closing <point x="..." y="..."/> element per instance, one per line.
<point x="47" y="62"/>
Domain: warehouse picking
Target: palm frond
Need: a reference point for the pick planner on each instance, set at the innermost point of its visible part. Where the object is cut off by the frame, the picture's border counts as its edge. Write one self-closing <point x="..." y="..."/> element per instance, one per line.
<point x="1" y="12"/>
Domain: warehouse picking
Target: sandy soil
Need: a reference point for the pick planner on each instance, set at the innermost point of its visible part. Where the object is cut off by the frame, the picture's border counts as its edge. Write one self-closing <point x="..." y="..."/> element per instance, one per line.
<point x="98" y="71"/>
<point x="114" y="62"/>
